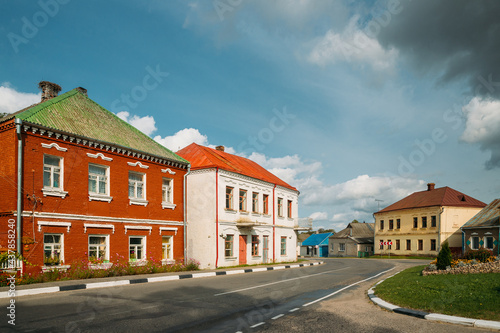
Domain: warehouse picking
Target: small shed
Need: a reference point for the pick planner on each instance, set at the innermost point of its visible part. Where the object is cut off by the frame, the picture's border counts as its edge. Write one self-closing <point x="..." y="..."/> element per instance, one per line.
<point x="316" y="245"/>
<point x="482" y="231"/>
<point x="355" y="240"/>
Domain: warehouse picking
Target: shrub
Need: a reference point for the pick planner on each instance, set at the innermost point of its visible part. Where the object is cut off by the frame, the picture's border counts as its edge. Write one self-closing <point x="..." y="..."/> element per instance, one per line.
<point x="481" y="255"/>
<point x="444" y="257"/>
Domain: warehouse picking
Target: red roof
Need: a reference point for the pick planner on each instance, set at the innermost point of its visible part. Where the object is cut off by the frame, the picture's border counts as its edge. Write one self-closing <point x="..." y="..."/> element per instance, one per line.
<point x="202" y="157"/>
<point x="443" y="196"/>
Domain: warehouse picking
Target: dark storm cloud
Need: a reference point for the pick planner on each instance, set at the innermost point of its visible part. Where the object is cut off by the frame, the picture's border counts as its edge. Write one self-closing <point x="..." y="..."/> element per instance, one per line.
<point x="457" y="39"/>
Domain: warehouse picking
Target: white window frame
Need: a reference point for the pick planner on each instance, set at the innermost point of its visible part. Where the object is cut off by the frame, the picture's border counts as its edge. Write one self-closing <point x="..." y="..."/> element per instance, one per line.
<point x="52" y="249"/>
<point x="135" y="200"/>
<point x="96" y="195"/>
<point x="283" y="246"/>
<point x="472" y="243"/>
<point x="486" y="242"/>
<point x="230" y="248"/>
<point x="167" y="248"/>
<point x="51" y="190"/>
<point x="143" y="249"/>
<point x="341" y="247"/>
<point x="280" y="207"/>
<point x="167" y="200"/>
<point x="106" y="243"/>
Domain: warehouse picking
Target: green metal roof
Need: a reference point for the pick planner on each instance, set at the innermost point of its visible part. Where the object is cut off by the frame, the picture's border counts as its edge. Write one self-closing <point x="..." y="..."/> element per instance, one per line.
<point x="73" y="112"/>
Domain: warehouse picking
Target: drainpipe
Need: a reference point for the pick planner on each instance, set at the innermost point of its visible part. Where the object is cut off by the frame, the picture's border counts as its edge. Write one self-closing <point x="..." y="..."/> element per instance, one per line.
<point x="19" y="122"/>
<point x="185" y="213"/>
<point x="439" y="229"/>
<point x="274" y="223"/>
<point x="463" y="241"/>
<point x="217" y="217"/>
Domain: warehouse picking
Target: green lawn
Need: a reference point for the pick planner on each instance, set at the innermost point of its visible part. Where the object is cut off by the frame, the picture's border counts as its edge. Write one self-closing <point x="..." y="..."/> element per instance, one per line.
<point x="465" y="295"/>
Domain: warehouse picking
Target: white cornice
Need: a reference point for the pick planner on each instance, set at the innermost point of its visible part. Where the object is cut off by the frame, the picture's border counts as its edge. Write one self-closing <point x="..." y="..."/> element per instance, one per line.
<point x="168" y="229"/>
<point x="53" y="224"/>
<point x="98" y="218"/>
<point x="95" y="225"/>
<point x="101" y="155"/>
<point x="168" y="170"/>
<point x="138" y="164"/>
<point x="138" y="227"/>
<point x="53" y="145"/>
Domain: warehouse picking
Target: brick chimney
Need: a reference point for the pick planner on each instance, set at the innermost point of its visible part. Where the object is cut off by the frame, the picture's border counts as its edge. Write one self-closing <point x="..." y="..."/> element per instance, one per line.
<point x="430" y="186"/>
<point x="82" y="90"/>
<point x="49" y="90"/>
<point x="220" y="148"/>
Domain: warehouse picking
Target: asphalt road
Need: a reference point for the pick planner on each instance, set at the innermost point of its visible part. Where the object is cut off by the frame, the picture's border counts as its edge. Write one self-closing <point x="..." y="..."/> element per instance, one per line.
<point x="264" y="301"/>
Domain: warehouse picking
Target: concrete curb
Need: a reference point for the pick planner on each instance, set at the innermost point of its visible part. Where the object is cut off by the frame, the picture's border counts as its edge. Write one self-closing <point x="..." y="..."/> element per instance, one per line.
<point x="489" y="324"/>
<point x="93" y="285"/>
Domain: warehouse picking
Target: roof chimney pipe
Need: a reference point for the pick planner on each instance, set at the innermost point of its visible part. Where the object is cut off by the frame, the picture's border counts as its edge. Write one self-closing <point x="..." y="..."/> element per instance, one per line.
<point x="430" y="186"/>
<point x="49" y="90"/>
<point x="220" y="148"/>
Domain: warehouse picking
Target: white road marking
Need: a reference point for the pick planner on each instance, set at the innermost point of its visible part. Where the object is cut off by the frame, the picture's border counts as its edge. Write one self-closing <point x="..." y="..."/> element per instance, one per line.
<point x="349" y="286"/>
<point x="278" y="316"/>
<point x="293" y="310"/>
<point x="257" y="325"/>
<point x="268" y="284"/>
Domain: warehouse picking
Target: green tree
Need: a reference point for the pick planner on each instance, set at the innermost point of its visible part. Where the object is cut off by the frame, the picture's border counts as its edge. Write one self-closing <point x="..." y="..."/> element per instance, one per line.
<point x="444" y="257"/>
<point x="355" y="221"/>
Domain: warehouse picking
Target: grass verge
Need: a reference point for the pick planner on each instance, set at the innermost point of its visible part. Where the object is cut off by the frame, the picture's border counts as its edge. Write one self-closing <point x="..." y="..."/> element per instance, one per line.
<point x="465" y="295"/>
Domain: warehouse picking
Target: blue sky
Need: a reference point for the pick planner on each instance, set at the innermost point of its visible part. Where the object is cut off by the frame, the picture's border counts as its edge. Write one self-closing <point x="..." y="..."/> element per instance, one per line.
<point x="349" y="101"/>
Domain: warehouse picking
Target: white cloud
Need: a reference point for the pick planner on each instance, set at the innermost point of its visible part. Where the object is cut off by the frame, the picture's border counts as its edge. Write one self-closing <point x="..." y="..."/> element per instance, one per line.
<point x="12" y="100"/>
<point x="354" y="46"/>
<point x="483" y="122"/>
<point x="145" y="124"/>
<point x="182" y="139"/>
<point x="319" y="216"/>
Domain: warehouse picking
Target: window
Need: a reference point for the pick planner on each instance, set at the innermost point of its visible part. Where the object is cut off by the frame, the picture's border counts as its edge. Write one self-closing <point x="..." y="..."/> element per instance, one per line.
<point x="408" y="244"/>
<point x="98" y="249"/>
<point x="137" y="245"/>
<point x="420" y="245"/>
<point x="228" y="246"/>
<point x="341" y="247"/>
<point x="265" y="200"/>
<point x="381" y="224"/>
<point x="424" y="221"/>
<point x="98" y="179"/>
<point x="166" y="190"/>
<point x="391" y="224"/>
<point x="398" y="245"/>
<point x="255" y="245"/>
<point x="280" y="207"/>
<point x="167" y="244"/>
<point x="229" y="198"/>
<point x="433" y="245"/>
<point x="243" y="200"/>
<point x="52" y="172"/>
<point x="415" y="222"/>
<point x="474" y="243"/>
<point x="289" y="209"/>
<point x="381" y="244"/>
<point x="283" y="246"/>
<point x="255" y="202"/>
<point x="136" y="185"/>
<point x="488" y="242"/>
<point x="389" y="246"/>
<point x="52" y="249"/>
<point x="433" y="221"/>
<point x="398" y="223"/>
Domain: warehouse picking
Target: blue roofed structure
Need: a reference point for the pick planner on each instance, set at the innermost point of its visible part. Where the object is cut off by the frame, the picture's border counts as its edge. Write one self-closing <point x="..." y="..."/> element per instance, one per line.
<point x="316" y="245"/>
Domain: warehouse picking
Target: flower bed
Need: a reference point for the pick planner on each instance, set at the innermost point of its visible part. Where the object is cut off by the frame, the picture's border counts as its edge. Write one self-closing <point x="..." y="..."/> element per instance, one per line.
<point x="464" y="266"/>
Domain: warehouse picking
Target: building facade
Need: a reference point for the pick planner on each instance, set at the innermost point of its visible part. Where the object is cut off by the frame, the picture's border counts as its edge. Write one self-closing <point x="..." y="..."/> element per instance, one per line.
<point x="237" y="212"/>
<point x="80" y="183"/>
<point x="483" y="230"/>
<point x="355" y="239"/>
<point x="421" y="222"/>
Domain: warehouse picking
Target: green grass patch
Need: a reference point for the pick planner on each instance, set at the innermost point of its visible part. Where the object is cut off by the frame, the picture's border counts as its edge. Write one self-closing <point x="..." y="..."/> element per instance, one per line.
<point x="465" y="295"/>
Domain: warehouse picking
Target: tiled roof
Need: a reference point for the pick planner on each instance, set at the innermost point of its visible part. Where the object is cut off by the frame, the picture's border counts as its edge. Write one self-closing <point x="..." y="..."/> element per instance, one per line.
<point x="443" y="196"/>
<point x="317" y="239"/>
<point x="357" y="231"/>
<point x="489" y="216"/>
<point x="75" y="113"/>
<point x="202" y="157"/>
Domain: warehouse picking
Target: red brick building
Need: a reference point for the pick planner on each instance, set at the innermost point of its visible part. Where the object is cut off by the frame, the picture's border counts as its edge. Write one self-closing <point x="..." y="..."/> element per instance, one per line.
<point x="91" y="185"/>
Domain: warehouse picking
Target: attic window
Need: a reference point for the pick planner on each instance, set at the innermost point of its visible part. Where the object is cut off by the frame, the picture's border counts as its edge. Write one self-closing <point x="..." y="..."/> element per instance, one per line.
<point x="461" y="197"/>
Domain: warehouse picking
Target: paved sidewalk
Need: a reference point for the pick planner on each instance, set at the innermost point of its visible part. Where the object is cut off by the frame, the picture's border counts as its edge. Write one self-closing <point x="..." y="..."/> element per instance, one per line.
<point x="489" y="324"/>
<point x="57" y="286"/>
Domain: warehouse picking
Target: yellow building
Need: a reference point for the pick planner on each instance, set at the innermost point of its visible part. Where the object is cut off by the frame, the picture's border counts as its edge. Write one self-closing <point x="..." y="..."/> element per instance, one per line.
<point x="421" y="222"/>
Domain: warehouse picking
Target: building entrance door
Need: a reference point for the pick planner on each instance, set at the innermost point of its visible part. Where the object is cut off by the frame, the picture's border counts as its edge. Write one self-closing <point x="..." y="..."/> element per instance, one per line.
<point x="243" y="249"/>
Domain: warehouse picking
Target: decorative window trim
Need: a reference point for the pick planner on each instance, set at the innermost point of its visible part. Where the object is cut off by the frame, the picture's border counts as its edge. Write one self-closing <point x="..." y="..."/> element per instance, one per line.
<point x="165" y="205"/>
<point x="53" y="224"/>
<point x="94" y="225"/>
<point x="138" y="227"/>
<point x="101" y="155"/>
<point x="138" y="164"/>
<point x="139" y="202"/>
<point x="106" y="238"/>
<point x="54" y="145"/>
<point x="100" y="197"/>
<point x="54" y="192"/>
<point x="168" y="170"/>
<point x="168" y="229"/>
